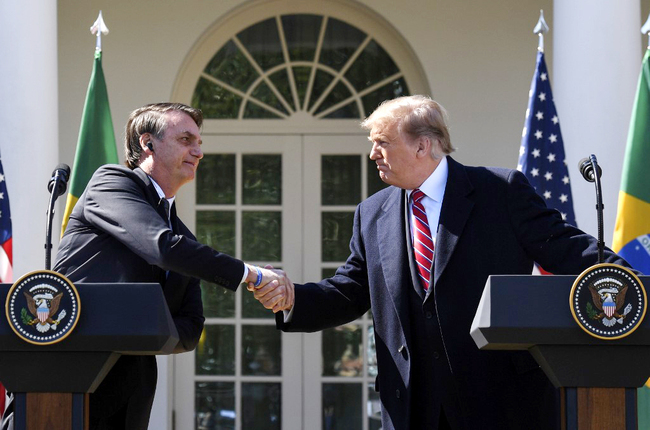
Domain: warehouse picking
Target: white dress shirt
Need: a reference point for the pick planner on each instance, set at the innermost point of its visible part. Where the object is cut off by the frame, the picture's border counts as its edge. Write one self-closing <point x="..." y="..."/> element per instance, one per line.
<point x="434" y="189"/>
<point x="170" y="200"/>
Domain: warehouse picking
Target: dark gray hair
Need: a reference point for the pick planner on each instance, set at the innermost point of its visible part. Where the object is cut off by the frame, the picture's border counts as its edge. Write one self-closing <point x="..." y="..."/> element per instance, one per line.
<point x="151" y="119"/>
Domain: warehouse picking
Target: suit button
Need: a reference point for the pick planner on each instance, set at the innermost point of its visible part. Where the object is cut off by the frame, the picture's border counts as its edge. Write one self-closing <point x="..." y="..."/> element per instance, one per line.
<point x="428" y="315"/>
<point x="397" y="393"/>
<point x="402" y="350"/>
<point x="436" y="355"/>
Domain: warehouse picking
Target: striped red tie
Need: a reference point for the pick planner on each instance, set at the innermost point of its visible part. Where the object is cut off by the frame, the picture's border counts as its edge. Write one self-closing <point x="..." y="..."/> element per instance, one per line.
<point x="422" y="241"/>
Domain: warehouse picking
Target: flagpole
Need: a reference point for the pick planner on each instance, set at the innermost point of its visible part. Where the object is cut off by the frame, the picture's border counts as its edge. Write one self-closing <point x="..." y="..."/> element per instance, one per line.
<point x="541" y="153"/>
<point x="540" y="29"/>
<point x="96" y="142"/>
<point x="98" y="28"/>
<point x="646" y="29"/>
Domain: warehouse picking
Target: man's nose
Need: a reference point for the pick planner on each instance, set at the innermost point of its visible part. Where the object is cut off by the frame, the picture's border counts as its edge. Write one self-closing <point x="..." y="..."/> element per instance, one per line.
<point x="374" y="152"/>
<point x="198" y="152"/>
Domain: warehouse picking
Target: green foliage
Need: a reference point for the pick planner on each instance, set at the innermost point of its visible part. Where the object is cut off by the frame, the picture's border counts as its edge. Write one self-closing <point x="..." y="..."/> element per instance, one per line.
<point x="24" y="316"/>
<point x="591" y="312"/>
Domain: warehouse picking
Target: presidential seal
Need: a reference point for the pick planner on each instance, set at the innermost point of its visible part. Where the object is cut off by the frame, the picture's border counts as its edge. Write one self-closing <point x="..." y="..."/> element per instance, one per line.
<point x="43" y="307"/>
<point x="608" y="301"/>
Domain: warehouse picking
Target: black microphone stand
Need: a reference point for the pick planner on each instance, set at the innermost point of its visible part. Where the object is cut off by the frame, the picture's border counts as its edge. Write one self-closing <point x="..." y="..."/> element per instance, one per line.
<point x="599" y="207"/>
<point x="57" y="187"/>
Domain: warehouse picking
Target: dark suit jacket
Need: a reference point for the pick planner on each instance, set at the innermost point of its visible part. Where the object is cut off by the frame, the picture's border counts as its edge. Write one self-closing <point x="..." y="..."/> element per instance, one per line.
<point x="118" y="232"/>
<point x="491" y="222"/>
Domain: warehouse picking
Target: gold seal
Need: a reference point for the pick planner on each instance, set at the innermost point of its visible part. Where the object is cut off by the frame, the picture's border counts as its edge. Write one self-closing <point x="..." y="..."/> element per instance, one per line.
<point x="608" y="301"/>
<point x="43" y="307"/>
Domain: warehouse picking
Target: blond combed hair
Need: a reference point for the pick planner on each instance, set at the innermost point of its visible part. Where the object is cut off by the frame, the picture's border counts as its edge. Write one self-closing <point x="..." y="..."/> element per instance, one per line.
<point x="417" y="116"/>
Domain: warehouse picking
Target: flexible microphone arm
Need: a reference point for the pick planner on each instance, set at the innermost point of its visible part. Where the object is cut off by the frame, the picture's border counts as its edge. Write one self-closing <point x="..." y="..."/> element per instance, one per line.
<point x="57" y="186"/>
<point x="591" y="171"/>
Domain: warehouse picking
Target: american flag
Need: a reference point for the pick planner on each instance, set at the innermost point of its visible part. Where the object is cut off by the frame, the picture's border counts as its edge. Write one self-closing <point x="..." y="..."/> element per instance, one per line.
<point x="6" y="270"/>
<point x="541" y="155"/>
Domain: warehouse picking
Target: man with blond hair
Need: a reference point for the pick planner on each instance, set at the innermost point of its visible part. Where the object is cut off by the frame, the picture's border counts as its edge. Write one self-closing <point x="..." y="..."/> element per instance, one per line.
<point x="421" y="252"/>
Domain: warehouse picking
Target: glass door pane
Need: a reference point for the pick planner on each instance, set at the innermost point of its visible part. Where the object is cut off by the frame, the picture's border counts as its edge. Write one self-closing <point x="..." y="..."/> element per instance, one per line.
<point x="242" y="374"/>
<point x="339" y="363"/>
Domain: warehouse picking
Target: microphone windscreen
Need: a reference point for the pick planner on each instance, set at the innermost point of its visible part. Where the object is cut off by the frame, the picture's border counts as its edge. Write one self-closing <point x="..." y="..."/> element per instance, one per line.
<point x="64" y="169"/>
<point x="587" y="170"/>
<point x="584" y="166"/>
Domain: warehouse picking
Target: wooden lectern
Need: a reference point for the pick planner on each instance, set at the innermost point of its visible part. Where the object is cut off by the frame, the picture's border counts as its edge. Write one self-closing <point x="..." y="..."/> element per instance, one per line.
<point x="599" y="377"/>
<point x="51" y="382"/>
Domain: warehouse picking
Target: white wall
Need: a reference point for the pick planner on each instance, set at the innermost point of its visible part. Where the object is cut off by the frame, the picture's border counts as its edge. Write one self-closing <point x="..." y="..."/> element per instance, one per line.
<point x="29" y="122"/>
<point x="480" y="58"/>
<point x="142" y="55"/>
<point x="597" y="62"/>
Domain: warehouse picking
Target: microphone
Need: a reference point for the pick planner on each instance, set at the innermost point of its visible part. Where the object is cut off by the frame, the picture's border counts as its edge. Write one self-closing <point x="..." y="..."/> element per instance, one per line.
<point x="57" y="186"/>
<point x="587" y="169"/>
<point x="586" y="166"/>
<point x="59" y="179"/>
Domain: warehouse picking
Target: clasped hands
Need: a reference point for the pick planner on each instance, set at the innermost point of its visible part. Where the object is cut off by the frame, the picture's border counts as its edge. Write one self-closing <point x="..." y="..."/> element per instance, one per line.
<point x="275" y="290"/>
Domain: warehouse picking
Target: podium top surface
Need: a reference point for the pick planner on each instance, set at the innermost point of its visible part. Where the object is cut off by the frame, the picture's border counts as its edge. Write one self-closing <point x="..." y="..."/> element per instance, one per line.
<point x="116" y="317"/>
<point x="522" y="311"/>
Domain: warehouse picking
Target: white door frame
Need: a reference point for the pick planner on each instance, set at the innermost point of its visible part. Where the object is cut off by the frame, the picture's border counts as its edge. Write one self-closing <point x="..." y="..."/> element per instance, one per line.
<point x="184" y="364"/>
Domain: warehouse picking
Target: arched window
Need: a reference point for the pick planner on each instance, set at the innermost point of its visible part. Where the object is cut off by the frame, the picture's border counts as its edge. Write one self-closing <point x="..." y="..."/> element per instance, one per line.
<point x="298" y="63"/>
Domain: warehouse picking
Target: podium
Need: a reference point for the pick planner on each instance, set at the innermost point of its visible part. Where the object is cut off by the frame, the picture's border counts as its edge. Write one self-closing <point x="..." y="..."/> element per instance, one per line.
<point x="51" y="382"/>
<point x="599" y="377"/>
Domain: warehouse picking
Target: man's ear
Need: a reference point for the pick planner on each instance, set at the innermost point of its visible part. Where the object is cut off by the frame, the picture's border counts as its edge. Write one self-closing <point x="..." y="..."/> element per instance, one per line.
<point x="424" y="146"/>
<point x="146" y="142"/>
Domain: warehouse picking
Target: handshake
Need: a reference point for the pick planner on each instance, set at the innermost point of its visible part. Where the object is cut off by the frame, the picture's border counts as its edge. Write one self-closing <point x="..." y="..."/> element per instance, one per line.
<point x="271" y="287"/>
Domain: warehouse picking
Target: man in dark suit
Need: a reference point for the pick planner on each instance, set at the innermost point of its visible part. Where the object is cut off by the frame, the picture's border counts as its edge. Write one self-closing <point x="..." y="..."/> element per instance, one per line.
<point x="124" y="228"/>
<point x="421" y="265"/>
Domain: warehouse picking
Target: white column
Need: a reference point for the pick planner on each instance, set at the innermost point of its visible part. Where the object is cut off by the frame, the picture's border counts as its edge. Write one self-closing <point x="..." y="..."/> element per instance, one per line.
<point x="161" y="412"/>
<point x="29" y="121"/>
<point x="596" y="61"/>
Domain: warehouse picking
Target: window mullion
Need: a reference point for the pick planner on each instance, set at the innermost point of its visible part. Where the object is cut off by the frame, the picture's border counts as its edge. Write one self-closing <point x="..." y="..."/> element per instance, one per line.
<point x="287" y="59"/>
<point x="264" y="77"/>
<point x="312" y="76"/>
<point x="340" y="74"/>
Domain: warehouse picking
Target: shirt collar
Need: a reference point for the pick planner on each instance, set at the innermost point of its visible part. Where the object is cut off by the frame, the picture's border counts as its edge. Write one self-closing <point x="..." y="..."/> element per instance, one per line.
<point x="434" y="185"/>
<point x="161" y="194"/>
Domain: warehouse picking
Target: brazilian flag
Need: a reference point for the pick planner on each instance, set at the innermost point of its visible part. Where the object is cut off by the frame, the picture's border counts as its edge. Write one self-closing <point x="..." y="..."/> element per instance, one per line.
<point x="96" y="144"/>
<point x="632" y="232"/>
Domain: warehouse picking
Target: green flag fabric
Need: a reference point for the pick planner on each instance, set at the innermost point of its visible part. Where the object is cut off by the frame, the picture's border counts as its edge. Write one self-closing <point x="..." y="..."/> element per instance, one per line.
<point x="632" y="231"/>
<point x="96" y="144"/>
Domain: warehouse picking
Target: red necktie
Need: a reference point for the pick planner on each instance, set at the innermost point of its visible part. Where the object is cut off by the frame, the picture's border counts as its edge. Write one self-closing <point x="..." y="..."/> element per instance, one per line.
<point x="422" y="241"/>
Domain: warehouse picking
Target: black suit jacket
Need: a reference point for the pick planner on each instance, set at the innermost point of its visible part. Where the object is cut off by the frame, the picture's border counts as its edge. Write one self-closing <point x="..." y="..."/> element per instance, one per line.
<point x="491" y="222"/>
<point x="118" y="232"/>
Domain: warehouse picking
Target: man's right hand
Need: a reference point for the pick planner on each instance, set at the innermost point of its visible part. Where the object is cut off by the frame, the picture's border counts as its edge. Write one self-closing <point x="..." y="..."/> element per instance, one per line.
<point x="275" y="292"/>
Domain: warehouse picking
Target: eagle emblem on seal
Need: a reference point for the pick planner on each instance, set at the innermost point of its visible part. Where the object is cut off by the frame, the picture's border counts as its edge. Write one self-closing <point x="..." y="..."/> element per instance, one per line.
<point x="608" y="295"/>
<point x="43" y="305"/>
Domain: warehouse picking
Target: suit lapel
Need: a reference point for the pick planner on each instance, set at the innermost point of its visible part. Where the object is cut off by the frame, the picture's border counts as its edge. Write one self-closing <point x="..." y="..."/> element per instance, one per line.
<point x="173" y="218"/>
<point x="173" y="283"/>
<point x="174" y="286"/>
<point x="456" y="208"/>
<point x="150" y="193"/>
<point x="393" y="253"/>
